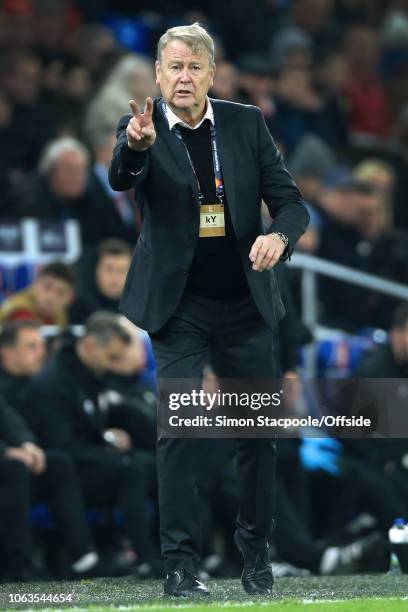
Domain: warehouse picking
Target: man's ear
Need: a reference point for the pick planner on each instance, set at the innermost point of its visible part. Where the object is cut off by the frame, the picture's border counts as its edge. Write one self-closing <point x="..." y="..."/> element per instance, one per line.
<point x="158" y="72"/>
<point x="88" y="343"/>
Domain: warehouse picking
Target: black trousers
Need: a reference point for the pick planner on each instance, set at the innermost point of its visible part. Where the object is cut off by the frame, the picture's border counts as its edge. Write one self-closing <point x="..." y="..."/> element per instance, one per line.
<point x="59" y="487"/>
<point x="123" y="481"/>
<point x="232" y="336"/>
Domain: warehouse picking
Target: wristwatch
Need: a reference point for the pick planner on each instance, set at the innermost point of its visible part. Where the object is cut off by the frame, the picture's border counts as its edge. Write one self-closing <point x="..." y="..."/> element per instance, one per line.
<point x="284" y="238"/>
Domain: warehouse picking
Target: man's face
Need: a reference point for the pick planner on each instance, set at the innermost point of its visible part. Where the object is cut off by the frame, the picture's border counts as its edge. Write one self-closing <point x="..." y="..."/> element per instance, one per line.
<point x="28" y="354"/>
<point x="104" y="358"/>
<point x="184" y="77"/>
<point x="225" y="81"/>
<point x="68" y="176"/>
<point x="111" y="275"/>
<point x="370" y="214"/>
<point x="52" y="294"/>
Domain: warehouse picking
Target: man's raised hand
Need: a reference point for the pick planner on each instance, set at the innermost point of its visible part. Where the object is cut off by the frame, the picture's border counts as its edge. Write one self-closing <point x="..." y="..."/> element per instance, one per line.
<point x="140" y="130"/>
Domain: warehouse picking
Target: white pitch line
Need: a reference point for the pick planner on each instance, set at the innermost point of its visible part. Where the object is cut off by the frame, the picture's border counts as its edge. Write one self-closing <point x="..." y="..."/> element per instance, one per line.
<point x="227" y="604"/>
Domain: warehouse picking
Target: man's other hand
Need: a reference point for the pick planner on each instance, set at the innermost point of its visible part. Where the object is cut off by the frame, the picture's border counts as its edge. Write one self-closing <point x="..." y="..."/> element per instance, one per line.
<point x="140" y="130"/>
<point x="119" y="439"/>
<point x="266" y="252"/>
<point x="37" y="455"/>
<point x="17" y="453"/>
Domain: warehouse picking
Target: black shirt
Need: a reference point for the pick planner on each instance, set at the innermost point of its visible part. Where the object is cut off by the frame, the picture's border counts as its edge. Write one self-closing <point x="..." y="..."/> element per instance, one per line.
<point x="216" y="270"/>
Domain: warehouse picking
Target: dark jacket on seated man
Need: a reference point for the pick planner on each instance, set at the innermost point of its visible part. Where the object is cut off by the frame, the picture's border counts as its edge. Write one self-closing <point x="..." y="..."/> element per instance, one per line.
<point x="70" y="408"/>
<point x="13" y="429"/>
<point x="388" y="364"/>
<point x="29" y="476"/>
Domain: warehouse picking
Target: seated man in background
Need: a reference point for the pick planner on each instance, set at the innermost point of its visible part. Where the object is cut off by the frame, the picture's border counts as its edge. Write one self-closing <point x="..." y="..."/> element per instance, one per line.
<point x="28" y="475"/>
<point x="100" y="279"/>
<point x="63" y="188"/>
<point x="361" y="482"/>
<point x="389" y="360"/>
<point x="134" y="375"/>
<point x="46" y="300"/>
<point x="388" y="455"/>
<point x="354" y="234"/>
<point x="69" y="407"/>
<point x="22" y="356"/>
<point x="58" y="189"/>
<point x="54" y="478"/>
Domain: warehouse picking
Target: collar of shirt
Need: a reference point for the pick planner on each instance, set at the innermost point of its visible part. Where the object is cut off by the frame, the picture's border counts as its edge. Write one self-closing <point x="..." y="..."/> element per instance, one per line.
<point x="173" y="120"/>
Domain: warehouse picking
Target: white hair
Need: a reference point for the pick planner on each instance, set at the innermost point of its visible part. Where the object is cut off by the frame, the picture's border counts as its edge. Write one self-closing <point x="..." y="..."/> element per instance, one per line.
<point x="54" y="149"/>
<point x="194" y="36"/>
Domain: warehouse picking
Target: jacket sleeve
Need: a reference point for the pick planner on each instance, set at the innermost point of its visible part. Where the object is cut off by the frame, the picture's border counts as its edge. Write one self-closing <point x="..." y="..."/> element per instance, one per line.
<point x="51" y="415"/>
<point x="128" y="168"/>
<point x="279" y="191"/>
<point x="13" y="429"/>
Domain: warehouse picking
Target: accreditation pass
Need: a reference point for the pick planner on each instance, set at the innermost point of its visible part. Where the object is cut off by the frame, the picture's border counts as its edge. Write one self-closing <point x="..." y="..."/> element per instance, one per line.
<point x="212" y="220"/>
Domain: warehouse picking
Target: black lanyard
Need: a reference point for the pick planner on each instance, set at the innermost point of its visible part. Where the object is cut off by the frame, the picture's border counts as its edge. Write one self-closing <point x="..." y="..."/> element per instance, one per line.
<point x="219" y="185"/>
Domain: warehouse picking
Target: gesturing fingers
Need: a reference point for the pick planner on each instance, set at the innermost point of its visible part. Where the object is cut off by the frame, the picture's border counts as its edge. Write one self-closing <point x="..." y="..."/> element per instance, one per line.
<point x="148" y="132"/>
<point x="134" y="130"/>
<point x="135" y="109"/>
<point x="140" y="129"/>
<point x="148" y="109"/>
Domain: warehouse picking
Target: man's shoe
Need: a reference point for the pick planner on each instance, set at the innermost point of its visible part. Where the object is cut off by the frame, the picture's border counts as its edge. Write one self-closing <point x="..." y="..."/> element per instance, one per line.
<point x="352" y="558"/>
<point x="182" y="583"/>
<point x="257" y="577"/>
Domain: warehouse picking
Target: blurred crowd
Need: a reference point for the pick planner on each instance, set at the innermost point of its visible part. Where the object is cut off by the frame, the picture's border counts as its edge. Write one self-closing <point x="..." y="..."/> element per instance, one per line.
<point x="77" y="410"/>
<point x="330" y="76"/>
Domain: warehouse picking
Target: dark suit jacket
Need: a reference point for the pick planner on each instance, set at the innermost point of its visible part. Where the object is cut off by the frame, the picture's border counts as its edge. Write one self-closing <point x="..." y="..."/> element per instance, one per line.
<point x="166" y="187"/>
<point x="13" y="430"/>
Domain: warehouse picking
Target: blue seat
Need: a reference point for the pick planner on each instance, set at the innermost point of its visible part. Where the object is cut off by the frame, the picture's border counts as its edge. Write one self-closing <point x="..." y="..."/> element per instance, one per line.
<point x="24" y="275"/>
<point x="41" y="518"/>
<point x="338" y="355"/>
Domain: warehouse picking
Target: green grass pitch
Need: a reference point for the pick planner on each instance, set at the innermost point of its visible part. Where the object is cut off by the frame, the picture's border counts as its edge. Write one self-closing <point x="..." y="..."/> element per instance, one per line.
<point x="370" y="593"/>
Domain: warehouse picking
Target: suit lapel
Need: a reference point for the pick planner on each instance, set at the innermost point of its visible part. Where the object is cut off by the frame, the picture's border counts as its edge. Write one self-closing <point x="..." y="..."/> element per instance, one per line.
<point x="176" y="148"/>
<point x="225" y="138"/>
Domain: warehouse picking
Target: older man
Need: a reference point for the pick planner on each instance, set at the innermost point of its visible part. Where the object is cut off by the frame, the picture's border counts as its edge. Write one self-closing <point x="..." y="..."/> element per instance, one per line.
<point x="61" y="189"/>
<point x="57" y="190"/>
<point x="200" y="282"/>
